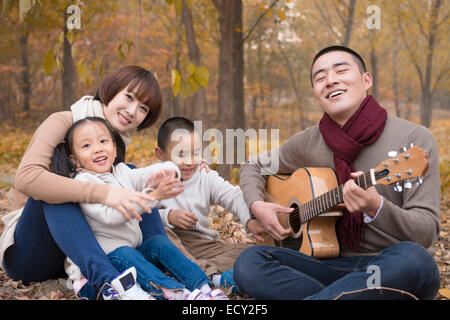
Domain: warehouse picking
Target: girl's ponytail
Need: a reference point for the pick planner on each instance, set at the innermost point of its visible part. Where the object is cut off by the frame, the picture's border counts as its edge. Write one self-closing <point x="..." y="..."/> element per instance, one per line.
<point x="61" y="162"/>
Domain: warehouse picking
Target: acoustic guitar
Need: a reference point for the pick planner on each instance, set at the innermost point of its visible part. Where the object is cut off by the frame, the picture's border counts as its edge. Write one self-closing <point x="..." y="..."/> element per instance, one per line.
<point x="317" y="199"/>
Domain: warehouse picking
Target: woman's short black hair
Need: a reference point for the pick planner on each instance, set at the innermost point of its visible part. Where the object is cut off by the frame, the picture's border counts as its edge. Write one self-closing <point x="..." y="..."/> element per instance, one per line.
<point x="140" y="81"/>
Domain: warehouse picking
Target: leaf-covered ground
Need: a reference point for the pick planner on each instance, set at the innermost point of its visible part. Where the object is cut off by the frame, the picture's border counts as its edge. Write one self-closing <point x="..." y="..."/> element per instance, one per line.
<point x="14" y="142"/>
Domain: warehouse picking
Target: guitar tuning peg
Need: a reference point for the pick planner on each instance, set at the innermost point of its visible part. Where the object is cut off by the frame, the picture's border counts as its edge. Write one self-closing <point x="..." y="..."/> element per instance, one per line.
<point x="419" y="181"/>
<point x="411" y="144"/>
<point x="402" y="149"/>
<point x="407" y="184"/>
<point x="392" y="154"/>
<point x="398" y="187"/>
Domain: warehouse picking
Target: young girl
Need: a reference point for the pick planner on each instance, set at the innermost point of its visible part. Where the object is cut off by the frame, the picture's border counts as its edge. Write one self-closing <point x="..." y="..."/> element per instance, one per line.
<point x="37" y="235"/>
<point x="89" y="153"/>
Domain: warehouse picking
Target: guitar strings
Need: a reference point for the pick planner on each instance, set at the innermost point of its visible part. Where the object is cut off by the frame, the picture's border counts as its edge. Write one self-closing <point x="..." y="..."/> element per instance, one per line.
<point x="320" y="204"/>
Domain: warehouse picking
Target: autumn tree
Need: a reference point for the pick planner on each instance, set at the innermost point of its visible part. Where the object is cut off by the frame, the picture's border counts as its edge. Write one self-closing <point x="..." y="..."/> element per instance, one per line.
<point x="425" y="35"/>
<point x="231" y="67"/>
<point x="338" y="17"/>
<point x="199" y="102"/>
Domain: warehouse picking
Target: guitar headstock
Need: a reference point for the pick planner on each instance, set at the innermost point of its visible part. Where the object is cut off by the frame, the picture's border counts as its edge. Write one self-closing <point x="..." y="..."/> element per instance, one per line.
<point x="407" y="165"/>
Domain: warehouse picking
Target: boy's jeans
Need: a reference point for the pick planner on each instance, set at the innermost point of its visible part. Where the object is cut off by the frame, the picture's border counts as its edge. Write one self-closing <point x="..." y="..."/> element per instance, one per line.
<point x="404" y="271"/>
<point x="154" y="254"/>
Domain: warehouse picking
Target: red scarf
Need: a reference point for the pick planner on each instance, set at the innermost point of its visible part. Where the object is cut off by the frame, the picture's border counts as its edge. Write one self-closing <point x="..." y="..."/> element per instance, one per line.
<point x="362" y="129"/>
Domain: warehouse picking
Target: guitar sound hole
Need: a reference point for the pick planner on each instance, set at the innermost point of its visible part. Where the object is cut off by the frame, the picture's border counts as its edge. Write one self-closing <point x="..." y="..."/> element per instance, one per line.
<point x="294" y="219"/>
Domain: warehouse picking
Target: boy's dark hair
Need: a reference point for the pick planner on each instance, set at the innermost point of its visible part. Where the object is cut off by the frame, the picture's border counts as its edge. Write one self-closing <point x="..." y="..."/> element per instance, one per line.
<point x="358" y="59"/>
<point x="169" y="126"/>
<point x="61" y="162"/>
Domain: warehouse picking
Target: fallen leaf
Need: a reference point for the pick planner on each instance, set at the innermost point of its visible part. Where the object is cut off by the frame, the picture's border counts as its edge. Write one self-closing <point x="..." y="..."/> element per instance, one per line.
<point x="54" y="295"/>
<point x="445" y="292"/>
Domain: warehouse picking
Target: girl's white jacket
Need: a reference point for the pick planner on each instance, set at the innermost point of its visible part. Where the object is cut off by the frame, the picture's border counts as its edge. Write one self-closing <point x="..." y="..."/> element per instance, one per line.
<point x="110" y="227"/>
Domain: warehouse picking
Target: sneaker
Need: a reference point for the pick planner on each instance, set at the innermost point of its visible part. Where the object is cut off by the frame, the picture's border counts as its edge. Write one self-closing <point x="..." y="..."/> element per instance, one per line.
<point x="125" y="287"/>
<point x="184" y="294"/>
<point x="197" y="294"/>
<point x="111" y="294"/>
<point x="224" y="280"/>
<point x="215" y="294"/>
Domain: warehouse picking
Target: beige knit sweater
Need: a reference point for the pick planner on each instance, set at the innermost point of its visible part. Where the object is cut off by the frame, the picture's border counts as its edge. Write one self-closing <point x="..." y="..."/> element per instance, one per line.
<point x="34" y="177"/>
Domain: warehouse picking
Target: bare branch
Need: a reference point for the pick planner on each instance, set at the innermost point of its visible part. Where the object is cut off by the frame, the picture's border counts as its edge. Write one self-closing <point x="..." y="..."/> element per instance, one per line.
<point x="441" y="75"/>
<point x="349" y="23"/>
<point x="408" y="47"/>
<point x="338" y="12"/>
<point x="443" y="19"/>
<point x="259" y="20"/>
<point x="419" y="22"/>
<point x="326" y="19"/>
<point x="217" y="4"/>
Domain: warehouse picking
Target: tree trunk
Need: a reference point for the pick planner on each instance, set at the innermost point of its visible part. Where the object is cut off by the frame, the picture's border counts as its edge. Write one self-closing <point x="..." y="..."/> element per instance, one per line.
<point x="199" y="99"/>
<point x="26" y="84"/>
<point x="407" y="110"/>
<point x="295" y="88"/>
<point x="374" y="71"/>
<point x="239" y="119"/>
<point x="395" y="81"/>
<point x="349" y="23"/>
<point x="426" y="106"/>
<point x="68" y="74"/>
<point x="225" y="85"/>
<point x="261" y="117"/>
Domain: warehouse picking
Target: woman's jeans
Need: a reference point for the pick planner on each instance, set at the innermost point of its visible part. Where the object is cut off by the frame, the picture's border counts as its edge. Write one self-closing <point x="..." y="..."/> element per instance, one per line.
<point x="154" y="255"/>
<point x="404" y="271"/>
<point x="46" y="233"/>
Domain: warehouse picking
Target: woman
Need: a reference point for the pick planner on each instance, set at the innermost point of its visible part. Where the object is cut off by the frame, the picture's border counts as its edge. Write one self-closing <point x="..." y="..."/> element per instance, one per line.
<point x="51" y="225"/>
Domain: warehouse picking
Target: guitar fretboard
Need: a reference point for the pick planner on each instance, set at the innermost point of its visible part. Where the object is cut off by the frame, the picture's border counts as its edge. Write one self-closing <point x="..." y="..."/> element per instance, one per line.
<point x="325" y="201"/>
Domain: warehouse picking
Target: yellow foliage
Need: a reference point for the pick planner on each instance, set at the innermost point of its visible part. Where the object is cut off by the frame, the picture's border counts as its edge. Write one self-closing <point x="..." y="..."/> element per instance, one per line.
<point x="441" y="131"/>
<point x="141" y="151"/>
<point x="12" y="146"/>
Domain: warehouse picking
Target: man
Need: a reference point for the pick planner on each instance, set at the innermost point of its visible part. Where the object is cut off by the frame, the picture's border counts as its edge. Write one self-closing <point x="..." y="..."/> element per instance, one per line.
<point x="381" y="231"/>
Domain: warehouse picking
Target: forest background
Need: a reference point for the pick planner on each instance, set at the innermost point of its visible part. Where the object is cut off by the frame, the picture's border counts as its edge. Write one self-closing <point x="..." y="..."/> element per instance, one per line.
<point x="229" y="63"/>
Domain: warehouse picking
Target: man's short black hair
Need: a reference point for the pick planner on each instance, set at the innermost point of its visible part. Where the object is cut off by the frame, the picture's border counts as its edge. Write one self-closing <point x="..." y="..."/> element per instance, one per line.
<point x="358" y="59"/>
<point x="169" y="126"/>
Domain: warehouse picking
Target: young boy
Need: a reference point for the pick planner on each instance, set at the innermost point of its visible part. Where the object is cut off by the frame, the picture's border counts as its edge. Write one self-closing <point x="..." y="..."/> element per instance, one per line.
<point x="186" y="215"/>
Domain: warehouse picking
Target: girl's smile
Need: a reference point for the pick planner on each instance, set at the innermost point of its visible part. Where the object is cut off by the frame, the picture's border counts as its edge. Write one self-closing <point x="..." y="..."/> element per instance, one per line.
<point x="93" y="147"/>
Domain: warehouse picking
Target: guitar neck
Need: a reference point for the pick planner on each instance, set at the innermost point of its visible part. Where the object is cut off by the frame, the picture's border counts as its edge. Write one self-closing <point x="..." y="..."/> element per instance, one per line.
<point x="332" y="198"/>
<point x="411" y="163"/>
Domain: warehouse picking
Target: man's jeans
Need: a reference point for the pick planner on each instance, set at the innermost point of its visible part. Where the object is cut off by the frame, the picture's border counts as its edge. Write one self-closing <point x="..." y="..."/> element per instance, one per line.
<point x="403" y="271"/>
<point x="154" y="255"/>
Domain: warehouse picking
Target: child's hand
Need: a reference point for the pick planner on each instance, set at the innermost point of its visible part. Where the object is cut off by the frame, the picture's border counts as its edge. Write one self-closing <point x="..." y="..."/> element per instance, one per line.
<point x="182" y="219"/>
<point x="256" y="229"/>
<point x="158" y="176"/>
<point x="203" y="165"/>
<point x="122" y="199"/>
<point x="168" y="187"/>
